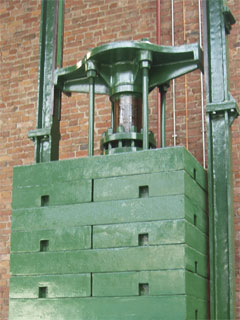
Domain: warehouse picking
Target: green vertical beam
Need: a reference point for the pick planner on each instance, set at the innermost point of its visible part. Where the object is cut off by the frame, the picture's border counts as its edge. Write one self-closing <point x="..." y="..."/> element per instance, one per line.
<point x="221" y="112"/>
<point x="47" y="135"/>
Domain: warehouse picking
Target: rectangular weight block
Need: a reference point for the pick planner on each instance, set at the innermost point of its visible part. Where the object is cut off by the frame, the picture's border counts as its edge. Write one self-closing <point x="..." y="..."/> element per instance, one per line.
<point x="196" y="286"/>
<point x="64" y="238"/>
<point x="177" y="307"/>
<point x="196" y="262"/>
<point x="195" y="238"/>
<point x="196" y="215"/>
<point x="157" y="184"/>
<point x="52" y="194"/>
<point x="149" y="233"/>
<point x="150" y="161"/>
<point x="196" y="309"/>
<point x="120" y="211"/>
<point x="167" y="207"/>
<point x="56" y="286"/>
<point x="164" y="282"/>
<point x="99" y="260"/>
<point x="110" y="260"/>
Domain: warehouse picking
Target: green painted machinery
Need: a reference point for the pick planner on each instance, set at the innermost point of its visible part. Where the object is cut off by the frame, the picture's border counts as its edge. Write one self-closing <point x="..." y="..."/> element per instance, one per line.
<point x="124" y="235"/>
<point x="119" y="236"/>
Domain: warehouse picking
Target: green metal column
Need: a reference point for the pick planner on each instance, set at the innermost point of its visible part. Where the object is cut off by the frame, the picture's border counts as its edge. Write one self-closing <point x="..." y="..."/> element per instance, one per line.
<point x="46" y="137"/>
<point x="221" y="112"/>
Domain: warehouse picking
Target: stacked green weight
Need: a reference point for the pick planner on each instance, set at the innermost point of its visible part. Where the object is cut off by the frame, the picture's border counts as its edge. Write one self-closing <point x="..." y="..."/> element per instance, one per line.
<point x="110" y="238"/>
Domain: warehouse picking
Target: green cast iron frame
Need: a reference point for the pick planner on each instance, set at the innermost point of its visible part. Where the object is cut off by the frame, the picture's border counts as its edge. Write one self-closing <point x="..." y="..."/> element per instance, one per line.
<point x="221" y="112"/>
<point x="153" y="66"/>
<point x="47" y="135"/>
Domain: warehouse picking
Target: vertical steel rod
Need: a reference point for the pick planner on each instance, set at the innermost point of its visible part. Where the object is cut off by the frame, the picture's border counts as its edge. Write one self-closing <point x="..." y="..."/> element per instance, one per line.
<point x="91" y="116"/>
<point x="174" y="84"/>
<point x="201" y="79"/>
<point x="185" y="78"/>
<point x="145" y="108"/>
<point x="112" y="116"/>
<point x="158" y="26"/>
<point x="163" y="120"/>
<point x="163" y="92"/>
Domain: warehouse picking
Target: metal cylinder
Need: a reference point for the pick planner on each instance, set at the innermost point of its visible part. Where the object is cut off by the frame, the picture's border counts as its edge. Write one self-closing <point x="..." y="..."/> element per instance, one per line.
<point x="127" y="111"/>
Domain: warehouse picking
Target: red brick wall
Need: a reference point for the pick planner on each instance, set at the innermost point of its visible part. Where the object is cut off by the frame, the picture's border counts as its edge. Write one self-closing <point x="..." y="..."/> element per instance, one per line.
<point x="19" y="39"/>
<point x="89" y="23"/>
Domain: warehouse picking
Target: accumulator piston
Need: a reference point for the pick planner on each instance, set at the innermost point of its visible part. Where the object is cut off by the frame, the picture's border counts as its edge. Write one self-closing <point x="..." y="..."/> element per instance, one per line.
<point x="127" y="71"/>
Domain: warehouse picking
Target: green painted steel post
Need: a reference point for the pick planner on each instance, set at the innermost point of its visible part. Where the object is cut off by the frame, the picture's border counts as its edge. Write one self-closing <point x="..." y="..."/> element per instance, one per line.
<point x="221" y="112"/>
<point x="91" y="118"/>
<point x="91" y="74"/>
<point x="163" y="92"/>
<point x="47" y="135"/>
<point x="145" y="59"/>
<point x="112" y="115"/>
<point x="145" y="109"/>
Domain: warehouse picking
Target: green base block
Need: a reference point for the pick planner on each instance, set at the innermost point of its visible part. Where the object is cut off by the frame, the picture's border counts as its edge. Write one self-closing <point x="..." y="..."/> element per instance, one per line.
<point x="179" y="307"/>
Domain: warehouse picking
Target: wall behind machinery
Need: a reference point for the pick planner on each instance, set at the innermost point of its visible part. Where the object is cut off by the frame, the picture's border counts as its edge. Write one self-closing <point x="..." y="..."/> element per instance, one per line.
<point x="89" y="23"/>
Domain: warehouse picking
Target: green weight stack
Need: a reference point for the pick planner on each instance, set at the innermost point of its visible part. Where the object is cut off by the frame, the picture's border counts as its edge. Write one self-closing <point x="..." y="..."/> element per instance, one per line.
<point x="111" y="237"/>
